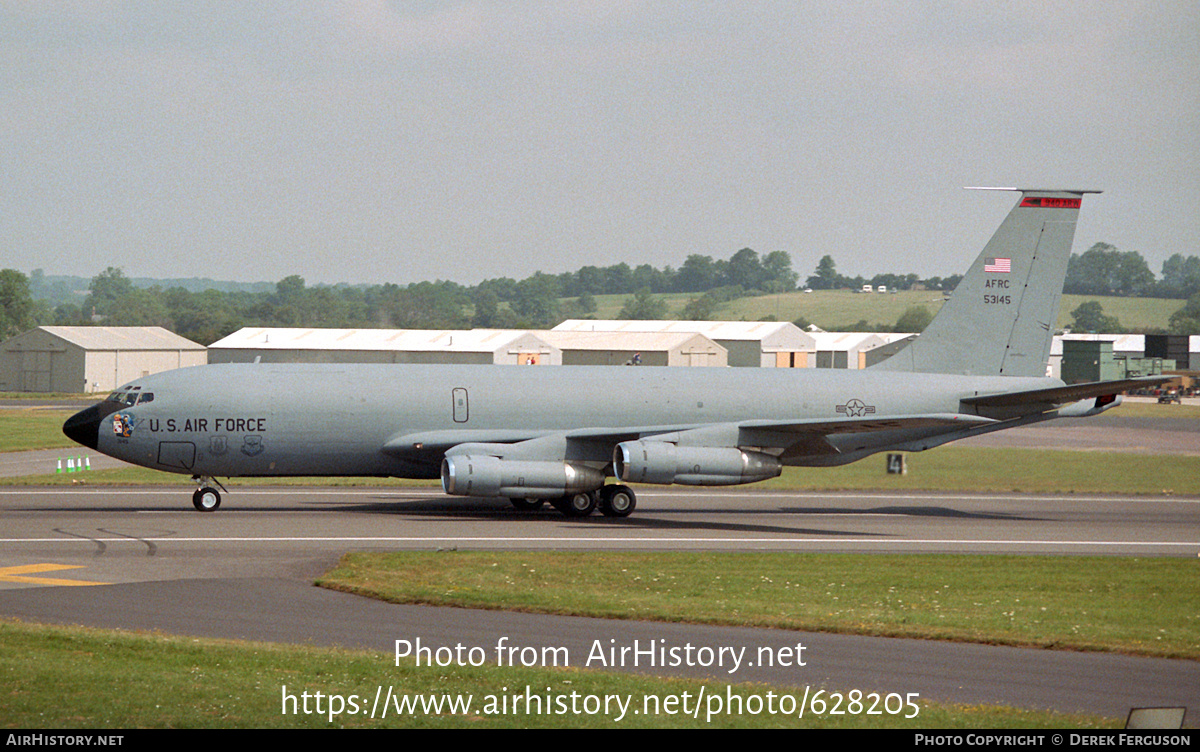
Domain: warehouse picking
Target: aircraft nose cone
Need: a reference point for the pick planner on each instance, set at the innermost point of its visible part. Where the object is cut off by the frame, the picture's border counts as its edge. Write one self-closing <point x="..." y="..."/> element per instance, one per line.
<point x="84" y="427"/>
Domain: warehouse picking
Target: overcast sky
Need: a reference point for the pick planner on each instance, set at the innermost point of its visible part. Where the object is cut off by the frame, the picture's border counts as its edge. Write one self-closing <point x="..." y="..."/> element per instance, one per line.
<point x="400" y="141"/>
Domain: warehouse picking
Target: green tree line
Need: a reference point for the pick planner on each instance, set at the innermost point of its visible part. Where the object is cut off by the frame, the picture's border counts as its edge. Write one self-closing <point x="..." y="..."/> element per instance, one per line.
<point x="540" y="300"/>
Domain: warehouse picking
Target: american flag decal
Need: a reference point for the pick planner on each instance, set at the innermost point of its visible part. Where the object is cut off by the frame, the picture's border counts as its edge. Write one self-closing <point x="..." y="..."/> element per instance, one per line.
<point x="997" y="265"/>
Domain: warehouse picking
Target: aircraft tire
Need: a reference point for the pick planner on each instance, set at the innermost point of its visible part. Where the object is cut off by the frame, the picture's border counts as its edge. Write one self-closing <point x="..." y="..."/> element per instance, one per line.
<point x="579" y="504"/>
<point x="527" y="505"/>
<point x="206" y="499"/>
<point x="617" y="501"/>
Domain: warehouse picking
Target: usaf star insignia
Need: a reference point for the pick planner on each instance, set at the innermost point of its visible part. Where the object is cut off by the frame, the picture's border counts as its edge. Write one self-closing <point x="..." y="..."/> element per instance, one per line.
<point x="856" y="408"/>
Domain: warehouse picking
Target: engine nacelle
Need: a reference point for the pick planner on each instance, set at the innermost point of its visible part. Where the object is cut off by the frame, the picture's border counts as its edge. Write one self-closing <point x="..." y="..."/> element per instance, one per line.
<point x="1092" y="406"/>
<point x="484" y="475"/>
<point x="663" y="462"/>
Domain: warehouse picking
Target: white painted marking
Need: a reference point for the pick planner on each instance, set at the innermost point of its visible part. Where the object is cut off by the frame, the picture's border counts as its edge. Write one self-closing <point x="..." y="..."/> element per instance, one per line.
<point x="608" y="541"/>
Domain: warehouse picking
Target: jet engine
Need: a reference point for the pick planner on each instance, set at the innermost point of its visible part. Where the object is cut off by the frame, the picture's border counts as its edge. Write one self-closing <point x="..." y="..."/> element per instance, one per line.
<point x="664" y="462"/>
<point x="484" y="475"/>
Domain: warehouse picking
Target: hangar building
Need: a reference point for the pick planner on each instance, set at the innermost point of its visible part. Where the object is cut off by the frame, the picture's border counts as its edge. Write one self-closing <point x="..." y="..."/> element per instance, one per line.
<point x="848" y="349"/>
<point x="480" y="346"/>
<point x="91" y="358"/>
<point x="636" y="348"/>
<point x="749" y="343"/>
<point x="1123" y="346"/>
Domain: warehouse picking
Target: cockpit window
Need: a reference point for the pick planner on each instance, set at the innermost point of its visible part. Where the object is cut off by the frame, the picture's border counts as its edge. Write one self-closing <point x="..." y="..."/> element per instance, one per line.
<point x="129" y="399"/>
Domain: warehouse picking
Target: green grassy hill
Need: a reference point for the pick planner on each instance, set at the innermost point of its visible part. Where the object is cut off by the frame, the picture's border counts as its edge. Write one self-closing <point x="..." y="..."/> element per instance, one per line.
<point x="839" y="309"/>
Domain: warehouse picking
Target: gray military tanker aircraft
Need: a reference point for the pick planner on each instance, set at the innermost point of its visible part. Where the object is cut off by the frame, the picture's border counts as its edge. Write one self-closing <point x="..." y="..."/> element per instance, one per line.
<point x="557" y="433"/>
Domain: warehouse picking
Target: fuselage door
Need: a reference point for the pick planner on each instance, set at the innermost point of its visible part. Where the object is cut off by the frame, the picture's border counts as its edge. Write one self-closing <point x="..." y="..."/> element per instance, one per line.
<point x="461" y="407"/>
<point x="181" y="454"/>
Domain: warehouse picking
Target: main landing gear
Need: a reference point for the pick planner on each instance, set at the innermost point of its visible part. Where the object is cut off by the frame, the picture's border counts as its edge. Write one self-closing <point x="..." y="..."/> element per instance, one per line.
<point x="206" y="498"/>
<point x="613" y="501"/>
<point x="527" y="505"/>
<point x="617" y="501"/>
<point x="579" y="504"/>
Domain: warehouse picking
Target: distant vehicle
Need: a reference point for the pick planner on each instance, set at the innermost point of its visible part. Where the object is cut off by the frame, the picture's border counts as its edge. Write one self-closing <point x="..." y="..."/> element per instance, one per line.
<point x="535" y="435"/>
<point x="1167" y="398"/>
<point x="881" y="288"/>
<point x="867" y="288"/>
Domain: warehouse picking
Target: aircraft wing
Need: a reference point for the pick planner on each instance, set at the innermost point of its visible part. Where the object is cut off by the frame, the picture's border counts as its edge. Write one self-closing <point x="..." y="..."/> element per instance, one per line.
<point x="861" y="424"/>
<point x="1062" y="394"/>
<point x="776" y="434"/>
<point x="811" y="438"/>
<point x="440" y="441"/>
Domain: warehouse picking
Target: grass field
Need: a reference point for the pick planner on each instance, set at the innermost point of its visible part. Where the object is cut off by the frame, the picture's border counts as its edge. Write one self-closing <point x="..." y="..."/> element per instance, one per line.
<point x="1139" y="409"/>
<point x="60" y="677"/>
<point x="26" y="428"/>
<point x="1126" y="605"/>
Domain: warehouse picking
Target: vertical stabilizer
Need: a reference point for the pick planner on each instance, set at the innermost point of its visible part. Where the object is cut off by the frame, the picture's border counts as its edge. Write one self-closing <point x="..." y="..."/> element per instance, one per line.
<point x="1001" y="318"/>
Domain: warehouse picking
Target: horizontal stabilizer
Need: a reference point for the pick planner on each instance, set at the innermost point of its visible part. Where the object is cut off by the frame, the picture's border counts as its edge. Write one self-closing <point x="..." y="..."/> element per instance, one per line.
<point x="1062" y="394"/>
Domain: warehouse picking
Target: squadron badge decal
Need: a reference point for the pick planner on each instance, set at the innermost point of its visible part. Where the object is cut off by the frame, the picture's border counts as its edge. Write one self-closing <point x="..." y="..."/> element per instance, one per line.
<point x="252" y="445"/>
<point x="123" y="425"/>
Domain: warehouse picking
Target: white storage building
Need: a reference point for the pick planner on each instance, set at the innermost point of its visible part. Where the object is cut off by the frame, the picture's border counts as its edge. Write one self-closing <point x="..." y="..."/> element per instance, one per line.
<point x="282" y="345"/>
<point x="91" y="358"/>
<point x="636" y="348"/>
<point x="847" y="349"/>
<point x="748" y="343"/>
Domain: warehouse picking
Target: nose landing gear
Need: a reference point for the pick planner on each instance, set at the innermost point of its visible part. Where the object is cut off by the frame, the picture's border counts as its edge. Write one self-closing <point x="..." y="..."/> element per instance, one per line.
<point x="206" y="498"/>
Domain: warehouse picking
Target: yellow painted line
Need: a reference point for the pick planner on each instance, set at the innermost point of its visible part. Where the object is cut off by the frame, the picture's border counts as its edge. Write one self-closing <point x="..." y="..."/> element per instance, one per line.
<point x="18" y="574"/>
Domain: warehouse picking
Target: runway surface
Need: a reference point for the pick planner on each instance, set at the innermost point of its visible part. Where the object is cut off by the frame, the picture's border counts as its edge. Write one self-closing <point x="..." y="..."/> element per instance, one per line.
<point x="245" y="572"/>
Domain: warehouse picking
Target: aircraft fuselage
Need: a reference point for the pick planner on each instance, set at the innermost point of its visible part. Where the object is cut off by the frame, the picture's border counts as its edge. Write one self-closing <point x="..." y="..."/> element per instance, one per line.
<point x="288" y="420"/>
